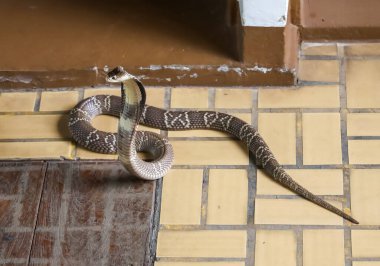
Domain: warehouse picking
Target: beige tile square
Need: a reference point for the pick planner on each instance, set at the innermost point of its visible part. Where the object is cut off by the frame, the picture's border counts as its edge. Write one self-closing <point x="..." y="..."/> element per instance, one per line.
<point x="208" y="132"/>
<point x="323" y="248"/>
<point x="210" y="153"/>
<point x="275" y="247"/>
<point x="33" y="126"/>
<point x="35" y="150"/>
<point x="198" y="263"/>
<point x="189" y="98"/>
<point x="202" y="244"/>
<point x="363" y="83"/>
<point x="58" y="100"/>
<point x="294" y="211"/>
<point x="227" y="196"/>
<point x="182" y="197"/>
<point x="233" y="98"/>
<point x="321" y="138"/>
<point x="102" y="91"/>
<point x="363" y="124"/>
<point x="318" y="181"/>
<point x="300" y="97"/>
<point x="363" y="49"/>
<point x="279" y="132"/>
<point x="365" y="195"/>
<point x="366" y="263"/>
<point x="319" y="49"/>
<point x="365" y="243"/>
<point x="318" y="70"/>
<point x="85" y="154"/>
<point x="17" y="101"/>
<point x="155" y="96"/>
<point x="364" y="151"/>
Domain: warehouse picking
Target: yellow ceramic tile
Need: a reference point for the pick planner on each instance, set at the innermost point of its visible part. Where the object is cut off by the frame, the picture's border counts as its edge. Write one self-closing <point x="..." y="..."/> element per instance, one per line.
<point x="102" y="91"/>
<point x="363" y="83"/>
<point x="208" y="132"/>
<point x="203" y="243"/>
<point x="33" y="126"/>
<point x="196" y="263"/>
<point x="366" y="263"/>
<point x="364" y="151"/>
<point x="182" y="197"/>
<point x="318" y="181"/>
<point x="51" y="149"/>
<point x="318" y="70"/>
<point x="319" y="49"/>
<point x="189" y="98"/>
<point x="365" y="243"/>
<point x="365" y="195"/>
<point x="233" y="98"/>
<point x="321" y="138"/>
<point x="227" y="196"/>
<point x="155" y="97"/>
<point x="275" y="247"/>
<point x="363" y="49"/>
<point x="17" y="101"/>
<point x="279" y="132"/>
<point x="209" y="153"/>
<point x="323" y="248"/>
<point x="58" y="100"/>
<point x="363" y="124"/>
<point x="301" y="97"/>
<point x="83" y="153"/>
<point x="294" y="211"/>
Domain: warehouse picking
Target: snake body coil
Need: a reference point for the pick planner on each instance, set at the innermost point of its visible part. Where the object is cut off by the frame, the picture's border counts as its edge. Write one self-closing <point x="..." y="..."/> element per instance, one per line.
<point x="132" y="111"/>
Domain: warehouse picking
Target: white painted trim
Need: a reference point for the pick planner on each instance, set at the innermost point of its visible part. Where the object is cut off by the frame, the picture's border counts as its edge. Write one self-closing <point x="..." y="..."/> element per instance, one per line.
<point x="264" y="13"/>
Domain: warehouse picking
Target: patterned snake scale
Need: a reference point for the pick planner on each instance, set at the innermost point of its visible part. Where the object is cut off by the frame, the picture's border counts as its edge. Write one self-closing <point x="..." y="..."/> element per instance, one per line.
<point x="128" y="141"/>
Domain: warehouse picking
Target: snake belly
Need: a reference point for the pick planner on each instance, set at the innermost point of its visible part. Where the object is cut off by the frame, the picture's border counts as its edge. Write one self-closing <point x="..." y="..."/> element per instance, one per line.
<point x="130" y="141"/>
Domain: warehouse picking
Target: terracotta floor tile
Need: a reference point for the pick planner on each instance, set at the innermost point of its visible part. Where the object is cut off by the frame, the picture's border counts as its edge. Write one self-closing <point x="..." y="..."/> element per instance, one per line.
<point x="321" y="138"/>
<point x="233" y="98"/>
<point x="323" y="247"/>
<point x="279" y="132"/>
<point x="189" y="98"/>
<point x="365" y="243"/>
<point x="319" y="49"/>
<point x="83" y="153"/>
<point x="155" y="97"/>
<point x="33" y="126"/>
<point x="51" y="149"/>
<point x="227" y="196"/>
<point x="363" y="124"/>
<point x="207" y="132"/>
<point x="318" y="70"/>
<point x="182" y="197"/>
<point x="365" y="195"/>
<point x="363" y="83"/>
<point x="202" y="243"/>
<point x="17" y="101"/>
<point x="363" y="49"/>
<point x="275" y="247"/>
<point x="318" y="181"/>
<point x="58" y="100"/>
<point x="301" y="97"/>
<point x="364" y="151"/>
<point x="291" y="211"/>
<point x="209" y="153"/>
<point x="99" y="91"/>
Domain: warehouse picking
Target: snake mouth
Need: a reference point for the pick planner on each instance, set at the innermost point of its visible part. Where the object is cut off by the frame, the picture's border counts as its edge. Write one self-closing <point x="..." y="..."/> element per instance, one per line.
<point x="118" y="74"/>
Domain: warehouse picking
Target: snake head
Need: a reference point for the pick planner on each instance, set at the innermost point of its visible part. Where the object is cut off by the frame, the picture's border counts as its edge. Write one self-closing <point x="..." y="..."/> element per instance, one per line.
<point x="118" y="74"/>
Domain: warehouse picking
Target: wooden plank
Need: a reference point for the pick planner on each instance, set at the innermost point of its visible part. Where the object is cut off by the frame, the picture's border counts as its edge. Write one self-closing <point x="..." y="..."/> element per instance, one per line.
<point x="92" y="213"/>
<point x="20" y="192"/>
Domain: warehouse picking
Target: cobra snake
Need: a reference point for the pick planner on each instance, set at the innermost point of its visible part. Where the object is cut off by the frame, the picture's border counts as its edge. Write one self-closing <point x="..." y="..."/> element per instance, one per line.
<point x="132" y="110"/>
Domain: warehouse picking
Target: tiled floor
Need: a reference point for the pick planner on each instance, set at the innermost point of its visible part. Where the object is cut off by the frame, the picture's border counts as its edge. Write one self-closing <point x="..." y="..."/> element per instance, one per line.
<point x="216" y="208"/>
